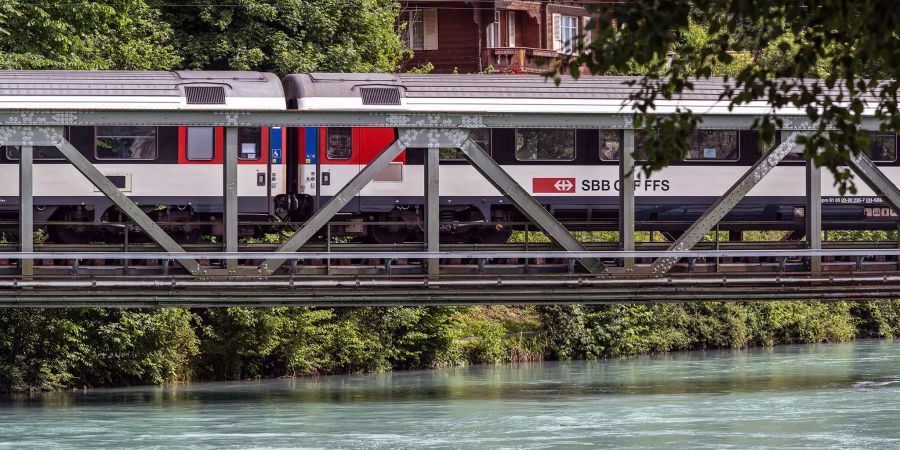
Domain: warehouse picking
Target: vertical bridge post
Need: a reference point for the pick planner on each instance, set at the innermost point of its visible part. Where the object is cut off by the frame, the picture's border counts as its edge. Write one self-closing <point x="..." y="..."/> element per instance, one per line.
<point x="432" y="207"/>
<point x="230" y="192"/>
<point x="626" y="197"/>
<point x="814" y="213"/>
<point x="26" y="208"/>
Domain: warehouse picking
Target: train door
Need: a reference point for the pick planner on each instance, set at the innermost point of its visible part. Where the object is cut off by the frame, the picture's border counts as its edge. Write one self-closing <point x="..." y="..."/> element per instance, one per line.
<point x="254" y="162"/>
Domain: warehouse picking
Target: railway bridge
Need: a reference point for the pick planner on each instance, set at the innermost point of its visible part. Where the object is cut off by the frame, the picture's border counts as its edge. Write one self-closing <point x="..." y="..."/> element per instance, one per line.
<point x="550" y="263"/>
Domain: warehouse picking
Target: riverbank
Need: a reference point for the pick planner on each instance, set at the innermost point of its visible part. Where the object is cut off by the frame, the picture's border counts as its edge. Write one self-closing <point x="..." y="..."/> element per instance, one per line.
<point x="74" y="348"/>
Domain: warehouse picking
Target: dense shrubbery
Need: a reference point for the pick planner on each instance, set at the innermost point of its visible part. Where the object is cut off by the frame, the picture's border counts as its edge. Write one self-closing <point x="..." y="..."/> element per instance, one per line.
<point x="54" y="349"/>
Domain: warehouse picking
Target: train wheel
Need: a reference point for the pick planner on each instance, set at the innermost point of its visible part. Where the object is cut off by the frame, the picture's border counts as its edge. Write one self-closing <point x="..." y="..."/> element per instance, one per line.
<point x="390" y="234"/>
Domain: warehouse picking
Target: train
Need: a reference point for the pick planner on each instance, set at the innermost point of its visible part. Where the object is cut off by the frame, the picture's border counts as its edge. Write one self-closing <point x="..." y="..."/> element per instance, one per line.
<point x="286" y="174"/>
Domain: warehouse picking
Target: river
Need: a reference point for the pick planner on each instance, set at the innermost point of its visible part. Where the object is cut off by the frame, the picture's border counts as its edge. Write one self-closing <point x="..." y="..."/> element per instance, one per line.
<point x="835" y="395"/>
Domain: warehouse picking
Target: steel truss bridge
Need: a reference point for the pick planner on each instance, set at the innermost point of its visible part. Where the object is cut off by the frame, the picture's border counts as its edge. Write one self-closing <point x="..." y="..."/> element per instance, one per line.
<point x="302" y="271"/>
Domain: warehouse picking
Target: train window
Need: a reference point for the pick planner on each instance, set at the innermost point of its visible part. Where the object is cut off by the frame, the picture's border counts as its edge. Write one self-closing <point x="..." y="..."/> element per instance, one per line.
<point x="340" y="143"/>
<point x="481" y="136"/>
<point x="545" y="145"/>
<point x="200" y="143"/>
<point x="40" y="152"/>
<point x="884" y="148"/>
<point x="611" y="142"/>
<point x="125" y="143"/>
<point x="249" y="143"/>
<point x="713" y="145"/>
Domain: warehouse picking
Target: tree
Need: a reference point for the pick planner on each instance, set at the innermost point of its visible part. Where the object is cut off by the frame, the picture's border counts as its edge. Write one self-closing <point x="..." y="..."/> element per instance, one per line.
<point x="287" y="36"/>
<point x="851" y="45"/>
<point x="82" y="34"/>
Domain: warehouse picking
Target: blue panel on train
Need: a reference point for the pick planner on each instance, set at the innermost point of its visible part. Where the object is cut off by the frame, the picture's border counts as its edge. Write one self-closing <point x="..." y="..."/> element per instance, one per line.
<point x="312" y="141"/>
<point x="276" y="141"/>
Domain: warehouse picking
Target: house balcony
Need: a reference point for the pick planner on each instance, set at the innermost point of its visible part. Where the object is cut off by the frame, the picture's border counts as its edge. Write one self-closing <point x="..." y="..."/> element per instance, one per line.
<point x="519" y="59"/>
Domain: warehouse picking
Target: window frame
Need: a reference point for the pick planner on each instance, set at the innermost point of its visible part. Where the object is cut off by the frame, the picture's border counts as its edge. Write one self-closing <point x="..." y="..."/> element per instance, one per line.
<point x="872" y="138"/>
<point x="258" y="142"/>
<point x="737" y="142"/>
<point x="574" y="145"/>
<point x="489" y="149"/>
<point x="328" y="144"/>
<point x="187" y="144"/>
<point x="567" y="43"/>
<point x="7" y="148"/>
<point x="411" y="17"/>
<point x="155" y="140"/>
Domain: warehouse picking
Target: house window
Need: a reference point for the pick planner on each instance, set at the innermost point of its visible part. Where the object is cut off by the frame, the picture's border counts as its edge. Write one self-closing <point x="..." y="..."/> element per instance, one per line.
<point x="713" y="145"/>
<point x="481" y="136"/>
<point x="568" y="30"/>
<point x="414" y="34"/>
<point x="200" y="143"/>
<point x="545" y="145"/>
<point x="493" y="35"/>
<point x="126" y="143"/>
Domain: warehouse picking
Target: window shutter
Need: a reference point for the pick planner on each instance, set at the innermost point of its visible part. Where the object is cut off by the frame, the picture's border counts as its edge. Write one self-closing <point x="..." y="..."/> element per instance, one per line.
<point x="587" y="33"/>
<point x="430" y="23"/>
<point x="557" y="32"/>
<point x="511" y="28"/>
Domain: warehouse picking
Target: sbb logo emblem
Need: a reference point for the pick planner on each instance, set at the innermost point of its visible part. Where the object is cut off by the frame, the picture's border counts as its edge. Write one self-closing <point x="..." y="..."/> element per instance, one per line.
<point x="552" y="185"/>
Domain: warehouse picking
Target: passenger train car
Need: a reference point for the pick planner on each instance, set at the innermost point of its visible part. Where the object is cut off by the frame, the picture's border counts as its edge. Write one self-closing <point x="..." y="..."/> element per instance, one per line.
<point x="175" y="173"/>
<point x="573" y="172"/>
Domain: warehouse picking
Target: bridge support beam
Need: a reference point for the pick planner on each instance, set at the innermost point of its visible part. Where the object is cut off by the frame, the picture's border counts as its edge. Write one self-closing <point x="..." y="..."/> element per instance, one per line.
<point x="230" y="192"/>
<point x="432" y="207"/>
<point x="334" y="206"/>
<point x="875" y="179"/>
<point x="626" y="198"/>
<point x="725" y="203"/>
<point x="124" y="203"/>
<point x="534" y="211"/>
<point x="26" y="208"/>
<point x="814" y="214"/>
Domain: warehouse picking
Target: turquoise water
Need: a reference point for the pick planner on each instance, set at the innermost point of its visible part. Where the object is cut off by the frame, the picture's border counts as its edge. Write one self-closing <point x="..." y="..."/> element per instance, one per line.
<point x="839" y="396"/>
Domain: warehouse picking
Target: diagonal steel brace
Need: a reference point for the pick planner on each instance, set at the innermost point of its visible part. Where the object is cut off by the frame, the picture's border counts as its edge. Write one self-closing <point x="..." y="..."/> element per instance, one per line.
<point x="534" y="211"/>
<point x="725" y="203"/>
<point x="124" y="203"/>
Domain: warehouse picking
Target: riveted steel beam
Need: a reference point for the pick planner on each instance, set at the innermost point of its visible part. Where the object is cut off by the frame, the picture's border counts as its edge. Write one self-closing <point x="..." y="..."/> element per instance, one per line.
<point x="230" y="192"/>
<point x="124" y="203"/>
<point x="397" y="119"/>
<point x="334" y="206"/>
<point x="432" y="207"/>
<point x="26" y="208"/>
<point x="725" y="203"/>
<point x="875" y="179"/>
<point x="527" y="205"/>
<point x="626" y="197"/>
<point x="813" y="213"/>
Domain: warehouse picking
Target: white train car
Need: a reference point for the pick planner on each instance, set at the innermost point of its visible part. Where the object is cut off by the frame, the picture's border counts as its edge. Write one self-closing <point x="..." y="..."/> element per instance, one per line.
<point x="573" y="172"/>
<point x="174" y="172"/>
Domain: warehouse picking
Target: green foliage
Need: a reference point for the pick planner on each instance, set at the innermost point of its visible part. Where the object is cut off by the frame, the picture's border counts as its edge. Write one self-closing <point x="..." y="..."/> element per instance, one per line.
<point x="775" y="51"/>
<point x="286" y="36"/>
<point x="54" y="349"/>
<point x="81" y="34"/>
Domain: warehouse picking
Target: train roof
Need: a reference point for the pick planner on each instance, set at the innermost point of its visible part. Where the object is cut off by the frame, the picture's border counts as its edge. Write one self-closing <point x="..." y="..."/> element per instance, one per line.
<point x="494" y="93"/>
<point x="134" y="90"/>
